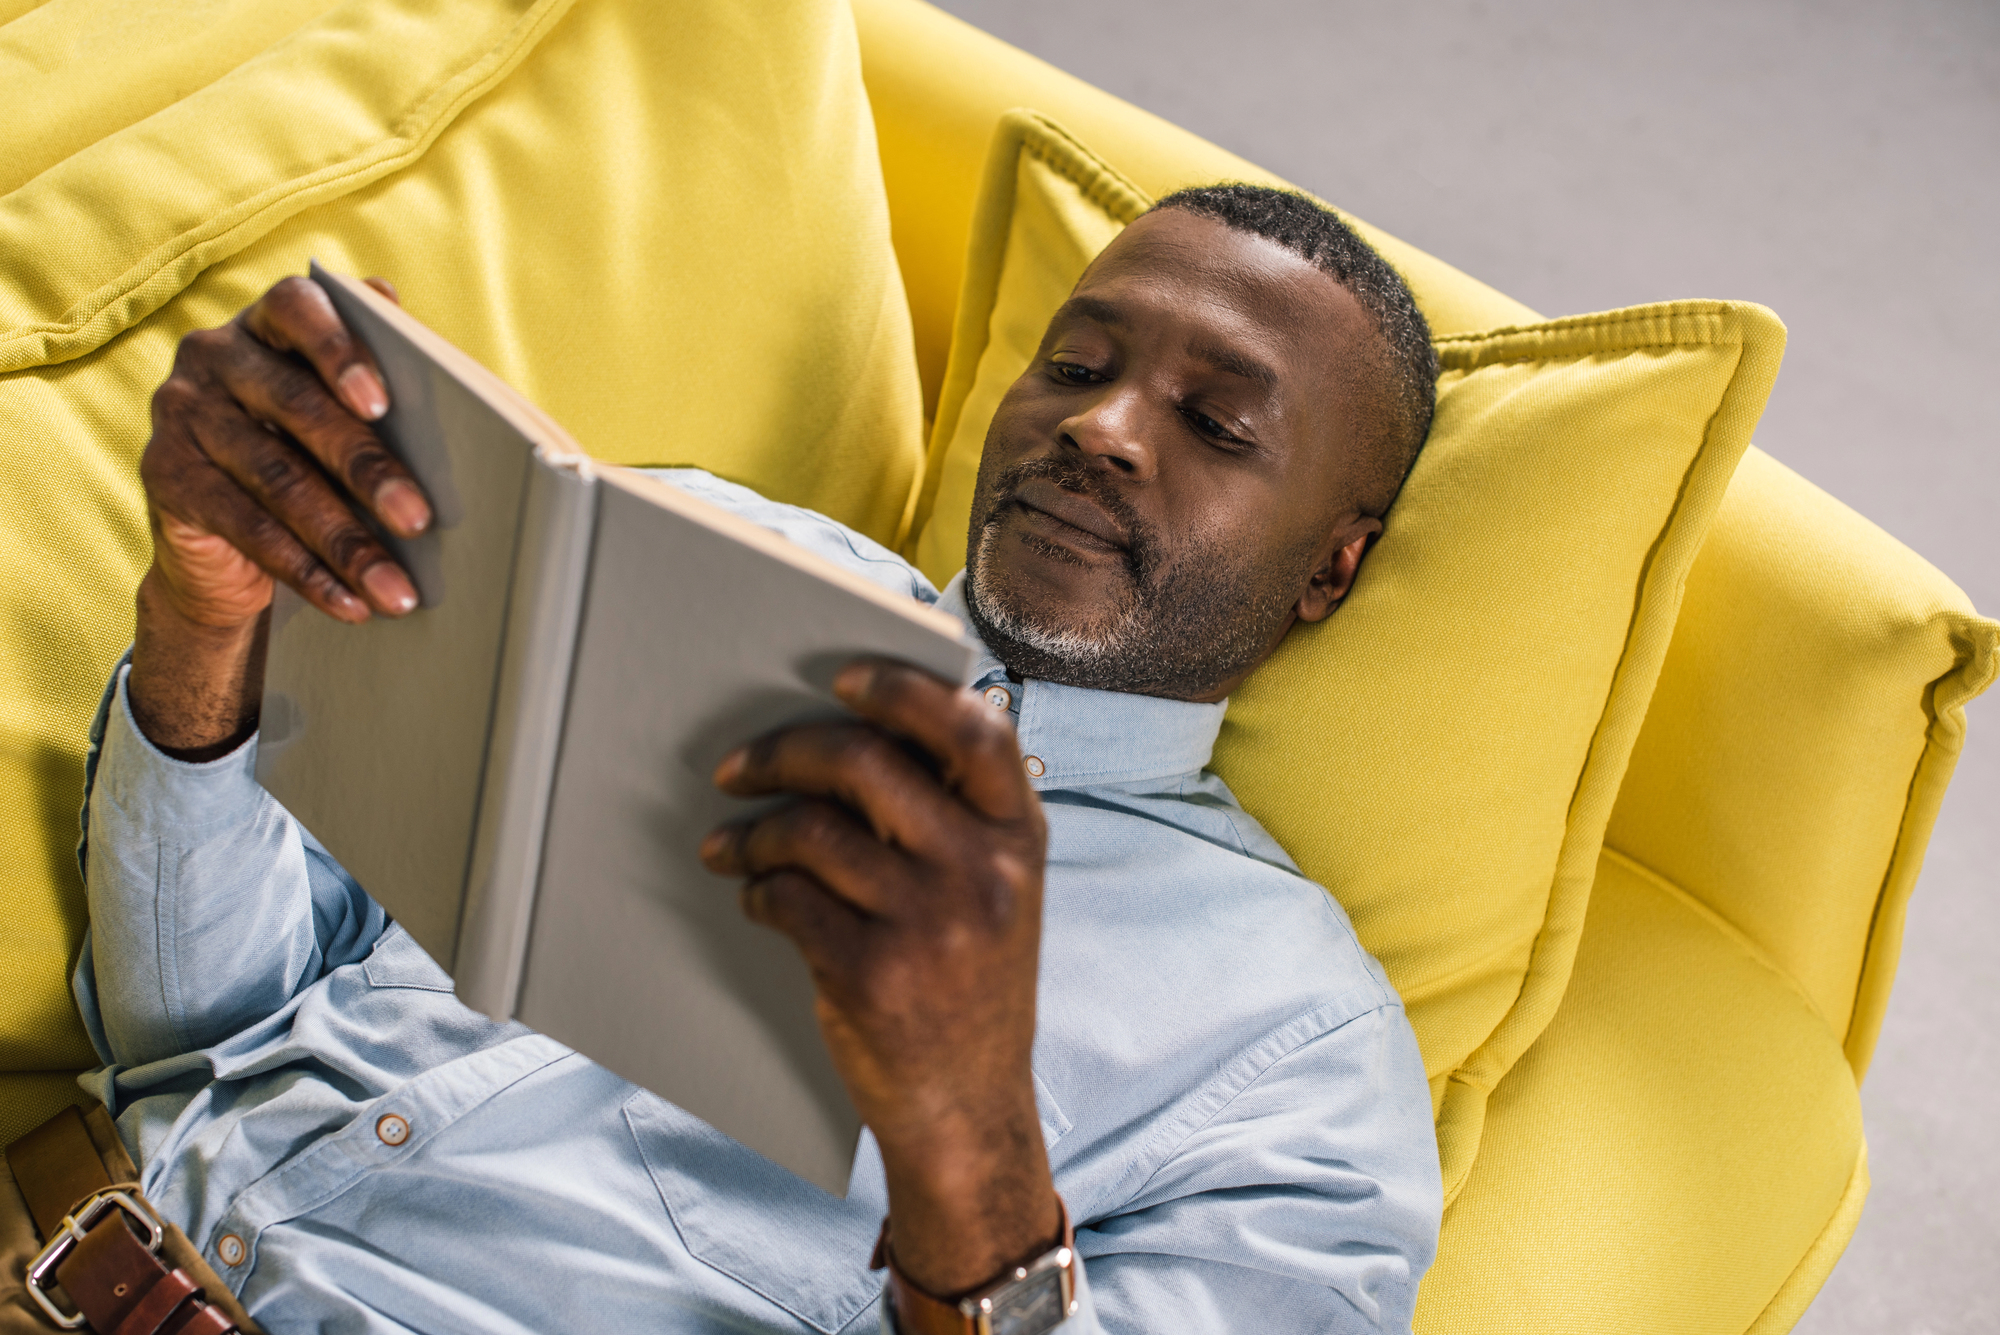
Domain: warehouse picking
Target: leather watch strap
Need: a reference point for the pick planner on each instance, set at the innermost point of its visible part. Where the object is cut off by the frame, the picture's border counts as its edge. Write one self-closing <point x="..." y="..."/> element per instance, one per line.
<point x="116" y="1283"/>
<point x="920" y="1312"/>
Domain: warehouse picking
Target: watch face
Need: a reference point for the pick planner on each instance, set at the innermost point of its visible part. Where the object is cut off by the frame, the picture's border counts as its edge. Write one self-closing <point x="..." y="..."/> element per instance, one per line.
<point x="1029" y="1306"/>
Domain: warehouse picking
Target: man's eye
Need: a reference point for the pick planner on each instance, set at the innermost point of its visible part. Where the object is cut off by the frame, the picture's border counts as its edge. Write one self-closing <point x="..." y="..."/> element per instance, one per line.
<point x="1072" y="372"/>
<point x="1207" y="425"/>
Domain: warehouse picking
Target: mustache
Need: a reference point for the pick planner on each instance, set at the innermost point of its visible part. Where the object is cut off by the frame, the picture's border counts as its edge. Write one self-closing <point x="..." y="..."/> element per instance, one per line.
<point x="1079" y="479"/>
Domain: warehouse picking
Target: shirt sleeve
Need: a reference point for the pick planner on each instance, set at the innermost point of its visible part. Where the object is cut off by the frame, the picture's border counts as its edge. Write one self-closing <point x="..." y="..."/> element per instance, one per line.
<point x="210" y="907"/>
<point x="1310" y="1203"/>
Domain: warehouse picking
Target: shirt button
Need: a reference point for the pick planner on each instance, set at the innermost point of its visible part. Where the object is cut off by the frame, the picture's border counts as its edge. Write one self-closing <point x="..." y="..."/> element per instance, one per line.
<point x="1033" y="764"/>
<point x="230" y="1248"/>
<point x="999" y="697"/>
<point x="392" y="1130"/>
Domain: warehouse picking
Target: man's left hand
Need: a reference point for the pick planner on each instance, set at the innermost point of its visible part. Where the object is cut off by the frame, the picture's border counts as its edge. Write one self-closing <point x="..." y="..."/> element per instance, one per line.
<point x="914" y="891"/>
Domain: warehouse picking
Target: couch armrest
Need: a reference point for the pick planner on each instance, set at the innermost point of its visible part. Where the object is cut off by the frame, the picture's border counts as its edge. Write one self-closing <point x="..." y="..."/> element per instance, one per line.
<point x="1806" y="723"/>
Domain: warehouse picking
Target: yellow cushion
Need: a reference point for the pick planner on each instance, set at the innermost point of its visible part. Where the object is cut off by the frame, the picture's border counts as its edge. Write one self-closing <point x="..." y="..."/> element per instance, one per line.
<point x="685" y="261"/>
<point x="1679" y="1154"/>
<point x="1443" y="754"/>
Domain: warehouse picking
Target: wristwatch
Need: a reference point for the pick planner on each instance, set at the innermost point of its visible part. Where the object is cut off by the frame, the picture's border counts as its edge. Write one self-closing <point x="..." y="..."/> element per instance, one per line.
<point x="1031" y="1298"/>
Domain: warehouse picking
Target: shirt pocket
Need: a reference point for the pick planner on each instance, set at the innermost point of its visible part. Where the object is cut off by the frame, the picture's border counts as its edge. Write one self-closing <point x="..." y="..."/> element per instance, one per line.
<point x="1055" y="1122"/>
<point x="765" y="1227"/>
<point x="398" y="961"/>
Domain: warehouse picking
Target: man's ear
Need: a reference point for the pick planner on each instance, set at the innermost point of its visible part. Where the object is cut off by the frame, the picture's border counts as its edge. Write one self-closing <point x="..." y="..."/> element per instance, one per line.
<point x="1334" y="575"/>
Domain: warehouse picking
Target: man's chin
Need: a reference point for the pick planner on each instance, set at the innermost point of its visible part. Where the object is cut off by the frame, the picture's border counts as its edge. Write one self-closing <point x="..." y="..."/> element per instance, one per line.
<point x="1039" y="616"/>
<point x="1097" y="628"/>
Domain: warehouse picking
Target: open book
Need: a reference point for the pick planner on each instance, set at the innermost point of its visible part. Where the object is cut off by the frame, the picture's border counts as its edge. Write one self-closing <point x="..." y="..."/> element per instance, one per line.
<point x="519" y="770"/>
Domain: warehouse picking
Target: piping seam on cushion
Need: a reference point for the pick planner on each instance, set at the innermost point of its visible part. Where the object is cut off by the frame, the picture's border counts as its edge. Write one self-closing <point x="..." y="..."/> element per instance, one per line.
<point x="1676" y="324"/>
<point x="1944" y="743"/>
<point x="169" y="267"/>
<point x="1102" y="184"/>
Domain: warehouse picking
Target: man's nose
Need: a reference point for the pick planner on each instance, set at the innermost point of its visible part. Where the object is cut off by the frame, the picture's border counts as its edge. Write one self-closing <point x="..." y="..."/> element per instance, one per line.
<point x="1112" y="433"/>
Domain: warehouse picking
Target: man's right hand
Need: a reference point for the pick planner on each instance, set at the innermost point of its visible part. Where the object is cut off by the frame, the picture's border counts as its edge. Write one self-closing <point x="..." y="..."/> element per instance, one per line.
<point x="260" y="460"/>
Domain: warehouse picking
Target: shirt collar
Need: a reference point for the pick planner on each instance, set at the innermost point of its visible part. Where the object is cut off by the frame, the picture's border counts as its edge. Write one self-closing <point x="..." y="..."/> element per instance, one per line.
<point x="1078" y="737"/>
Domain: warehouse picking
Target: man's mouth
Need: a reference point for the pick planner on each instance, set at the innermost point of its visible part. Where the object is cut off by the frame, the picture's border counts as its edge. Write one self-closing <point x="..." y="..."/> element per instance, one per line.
<point x="1068" y="518"/>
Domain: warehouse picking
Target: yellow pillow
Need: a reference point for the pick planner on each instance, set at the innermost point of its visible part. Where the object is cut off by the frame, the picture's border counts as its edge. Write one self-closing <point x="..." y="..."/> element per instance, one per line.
<point x="686" y="260"/>
<point x="1441" y="754"/>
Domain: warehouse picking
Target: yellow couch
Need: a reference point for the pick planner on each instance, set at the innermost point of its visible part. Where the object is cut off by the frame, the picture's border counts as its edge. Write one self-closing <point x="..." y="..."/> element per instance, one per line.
<point x="1680" y="1150"/>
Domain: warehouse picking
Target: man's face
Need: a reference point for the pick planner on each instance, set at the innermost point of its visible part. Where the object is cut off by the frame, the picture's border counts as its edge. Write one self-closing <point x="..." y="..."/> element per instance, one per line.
<point x="1172" y="481"/>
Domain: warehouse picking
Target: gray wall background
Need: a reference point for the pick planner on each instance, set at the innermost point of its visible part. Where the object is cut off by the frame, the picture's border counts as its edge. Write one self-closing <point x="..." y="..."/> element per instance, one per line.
<point x="1837" y="161"/>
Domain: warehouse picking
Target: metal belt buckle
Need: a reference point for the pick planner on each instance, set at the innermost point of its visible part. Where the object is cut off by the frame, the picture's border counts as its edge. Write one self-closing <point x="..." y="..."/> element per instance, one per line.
<point x="41" y="1273"/>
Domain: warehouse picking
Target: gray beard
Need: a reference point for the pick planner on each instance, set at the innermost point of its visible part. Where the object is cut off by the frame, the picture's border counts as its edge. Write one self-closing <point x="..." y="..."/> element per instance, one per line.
<point x="1179" y="632"/>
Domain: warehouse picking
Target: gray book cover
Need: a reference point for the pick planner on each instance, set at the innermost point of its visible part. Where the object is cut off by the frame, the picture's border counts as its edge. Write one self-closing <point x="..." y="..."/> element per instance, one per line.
<point x="518" y="770"/>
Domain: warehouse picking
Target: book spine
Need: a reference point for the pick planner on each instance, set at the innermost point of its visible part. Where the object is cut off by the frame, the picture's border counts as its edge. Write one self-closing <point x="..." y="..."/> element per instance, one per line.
<point x="552" y="560"/>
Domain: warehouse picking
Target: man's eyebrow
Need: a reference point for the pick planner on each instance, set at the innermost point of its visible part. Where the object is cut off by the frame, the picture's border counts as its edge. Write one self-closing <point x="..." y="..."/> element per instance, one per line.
<point x="1231" y="362"/>
<point x="1220" y="356"/>
<point x="1092" y="308"/>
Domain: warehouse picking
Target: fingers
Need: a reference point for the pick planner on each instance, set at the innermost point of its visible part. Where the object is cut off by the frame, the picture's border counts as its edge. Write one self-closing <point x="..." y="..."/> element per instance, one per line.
<point x="258" y="455"/>
<point x="817" y="837"/>
<point x="205" y="500"/>
<point x="972" y="742"/>
<point x="324" y="408"/>
<point x="852" y="763"/>
<point x="827" y="931"/>
<point x="291" y="493"/>
<point x="296" y="315"/>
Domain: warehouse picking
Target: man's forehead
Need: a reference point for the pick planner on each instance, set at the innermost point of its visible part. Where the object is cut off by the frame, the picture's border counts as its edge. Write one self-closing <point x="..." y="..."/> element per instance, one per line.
<point x="1246" y="288"/>
<point x="1176" y="243"/>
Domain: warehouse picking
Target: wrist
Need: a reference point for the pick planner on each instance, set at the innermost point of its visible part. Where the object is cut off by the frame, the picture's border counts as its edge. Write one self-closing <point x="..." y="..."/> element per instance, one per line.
<point x="195" y="687"/>
<point x="1030" y="1296"/>
<point x="969" y="1200"/>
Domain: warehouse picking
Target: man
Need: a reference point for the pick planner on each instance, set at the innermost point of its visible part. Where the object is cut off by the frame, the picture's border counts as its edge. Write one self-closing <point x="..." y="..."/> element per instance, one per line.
<point x="1065" y="977"/>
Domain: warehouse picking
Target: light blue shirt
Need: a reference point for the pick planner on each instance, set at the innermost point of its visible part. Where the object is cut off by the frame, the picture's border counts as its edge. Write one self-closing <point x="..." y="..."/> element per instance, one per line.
<point x="1232" y="1098"/>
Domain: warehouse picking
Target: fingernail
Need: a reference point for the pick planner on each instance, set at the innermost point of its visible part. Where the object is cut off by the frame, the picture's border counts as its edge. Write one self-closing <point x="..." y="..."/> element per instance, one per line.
<point x="389" y="587"/>
<point x="347" y="606"/>
<point x="731" y="766"/>
<point x="363" y="391"/>
<point x="853" y="681"/>
<point x="403" y="506"/>
<point x="714" y="843"/>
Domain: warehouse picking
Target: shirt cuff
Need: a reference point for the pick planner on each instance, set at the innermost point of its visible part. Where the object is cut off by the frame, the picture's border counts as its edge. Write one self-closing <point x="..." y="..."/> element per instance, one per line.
<point x="151" y="784"/>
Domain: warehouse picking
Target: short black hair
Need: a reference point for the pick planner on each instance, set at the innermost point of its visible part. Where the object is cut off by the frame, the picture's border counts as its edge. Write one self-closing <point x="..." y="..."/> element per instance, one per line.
<point x="1316" y="234"/>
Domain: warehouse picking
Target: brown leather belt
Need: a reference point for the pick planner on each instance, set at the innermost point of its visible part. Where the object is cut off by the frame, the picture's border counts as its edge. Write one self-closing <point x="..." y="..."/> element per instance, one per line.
<point x="103" y="1241"/>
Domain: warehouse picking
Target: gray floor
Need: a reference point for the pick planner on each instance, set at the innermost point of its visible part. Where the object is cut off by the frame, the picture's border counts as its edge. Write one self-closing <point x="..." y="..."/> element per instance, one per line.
<point x="1835" y="160"/>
